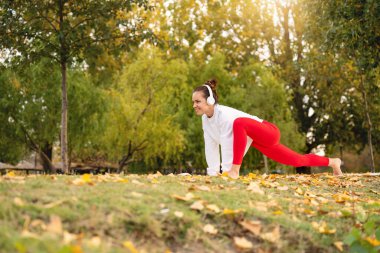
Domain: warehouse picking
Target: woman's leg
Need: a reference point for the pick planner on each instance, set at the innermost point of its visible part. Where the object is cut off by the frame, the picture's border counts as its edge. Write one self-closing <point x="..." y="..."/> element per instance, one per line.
<point x="266" y="138"/>
<point x="264" y="134"/>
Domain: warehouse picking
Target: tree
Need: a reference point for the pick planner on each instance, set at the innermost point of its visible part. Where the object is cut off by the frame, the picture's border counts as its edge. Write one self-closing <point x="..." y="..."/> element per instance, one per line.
<point x="68" y="32"/>
<point x="30" y="112"/>
<point x="30" y="108"/>
<point x="350" y="29"/>
<point x="141" y="120"/>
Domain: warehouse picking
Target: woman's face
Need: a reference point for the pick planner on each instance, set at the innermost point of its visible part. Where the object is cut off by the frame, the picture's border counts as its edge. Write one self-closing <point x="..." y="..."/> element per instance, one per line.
<point x="200" y="105"/>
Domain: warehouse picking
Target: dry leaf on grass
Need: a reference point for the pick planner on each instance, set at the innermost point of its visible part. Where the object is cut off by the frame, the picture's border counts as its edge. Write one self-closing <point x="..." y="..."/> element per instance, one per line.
<point x="18" y="202"/>
<point x="255" y="188"/>
<point x="323" y="228"/>
<point x="213" y="208"/>
<point x="208" y="228"/>
<point x="339" y="246"/>
<point x="129" y="245"/>
<point x="242" y="243"/>
<point x="273" y="236"/>
<point x="178" y="214"/>
<point x="197" y="205"/>
<point x="189" y="196"/>
<point x="55" y="225"/>
<point x="252" y="226"/>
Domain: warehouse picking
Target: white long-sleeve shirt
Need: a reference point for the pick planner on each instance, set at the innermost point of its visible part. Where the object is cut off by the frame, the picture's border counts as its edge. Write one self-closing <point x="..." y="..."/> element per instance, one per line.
<point x="218" y="131"/>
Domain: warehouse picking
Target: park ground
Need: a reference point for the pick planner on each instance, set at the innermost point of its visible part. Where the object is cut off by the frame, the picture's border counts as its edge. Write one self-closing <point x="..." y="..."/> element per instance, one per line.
<point x="185" y="213"/>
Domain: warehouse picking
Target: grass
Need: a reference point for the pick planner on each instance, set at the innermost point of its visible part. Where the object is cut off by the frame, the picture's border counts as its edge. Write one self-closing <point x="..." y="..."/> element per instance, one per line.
<point x="152" y="213"/>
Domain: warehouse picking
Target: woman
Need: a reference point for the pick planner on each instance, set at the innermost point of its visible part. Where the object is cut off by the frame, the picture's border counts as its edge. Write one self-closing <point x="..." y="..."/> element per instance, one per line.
<point x="235" y="131"/>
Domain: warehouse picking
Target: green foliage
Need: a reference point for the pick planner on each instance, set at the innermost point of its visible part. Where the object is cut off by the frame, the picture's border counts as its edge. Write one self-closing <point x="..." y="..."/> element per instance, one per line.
<point x="30" y="110"/>
<point x="362" y="241"/>
<point x="141" y="122"/>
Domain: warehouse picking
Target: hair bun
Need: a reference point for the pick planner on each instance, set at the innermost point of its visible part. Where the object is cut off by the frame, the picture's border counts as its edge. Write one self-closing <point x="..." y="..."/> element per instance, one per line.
<point x="211" y="83"/>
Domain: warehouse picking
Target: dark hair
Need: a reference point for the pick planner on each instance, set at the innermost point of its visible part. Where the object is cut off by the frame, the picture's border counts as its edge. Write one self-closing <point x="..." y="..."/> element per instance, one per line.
<point x="205" y="92"/>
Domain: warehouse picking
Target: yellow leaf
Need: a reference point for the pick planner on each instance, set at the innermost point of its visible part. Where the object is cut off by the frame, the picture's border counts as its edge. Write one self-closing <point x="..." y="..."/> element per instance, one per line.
<point x="86" y="178"/>
<point x="278" y="212"/>
<point x="76" y="249"/>
<point x="208" y="228"/>
<point x="242" y="243"/>
<point x="253" y="226"/>
<point x="129" y="245"/>
<point x="339" y="246"/>
<point x="299" y="191"/>
<point x="373" y="241"/>
<point x="231" y="212"/>
<point x="224" y="174"/>
<point x="11" y="174"/>
<point x="252" y="175"/>
<point x="341" y="198"/>
<point x="323" y="228"/>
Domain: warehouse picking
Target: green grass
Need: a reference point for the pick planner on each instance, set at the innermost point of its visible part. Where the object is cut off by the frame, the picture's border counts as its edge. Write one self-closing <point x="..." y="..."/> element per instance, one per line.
<point x="101" y="213"/>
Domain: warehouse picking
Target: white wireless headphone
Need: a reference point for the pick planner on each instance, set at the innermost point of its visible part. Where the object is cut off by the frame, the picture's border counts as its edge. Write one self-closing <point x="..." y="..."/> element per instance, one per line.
<point x="210" y="100"/>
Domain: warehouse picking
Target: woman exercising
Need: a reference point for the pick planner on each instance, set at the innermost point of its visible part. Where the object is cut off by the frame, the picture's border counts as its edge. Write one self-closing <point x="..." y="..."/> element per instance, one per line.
<point x="235" y="131"/>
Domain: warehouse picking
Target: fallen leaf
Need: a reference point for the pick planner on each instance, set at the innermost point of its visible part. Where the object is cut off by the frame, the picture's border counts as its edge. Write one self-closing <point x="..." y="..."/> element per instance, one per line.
<point x="252" y="226"/>
<point x="10" y="174"/>
<point x="273" y="236"/>
<point x="189" y="196"/>
<point x="242" y="243"/>
<point x="178" y="214"/>
<point x="68" y="237"/>
<point x="341" y="198"/>
<point x="323" y="228"/>
<point x="299" y="191"/>
<point x="232" y="212"/>
<point x="94" y="241"/>
<point x="213" y="208"/>
<point x="18" y="202"/>
<point x="255" y="188"/>
<point x="283" y="188"/>
<point x="278" y="212"/>
<point x="55" y="225"/>
<point x="197" y="205"/>
<point x="339" y="246"/>
<point x="373" y="241"/>
<point x="208" y="228"/>
<point x="129" y="245"/>
<point x="203" y="188"/>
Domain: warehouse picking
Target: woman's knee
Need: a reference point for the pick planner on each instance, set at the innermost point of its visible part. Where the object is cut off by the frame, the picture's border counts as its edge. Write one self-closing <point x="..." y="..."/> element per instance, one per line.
<point x="238" y="123"/>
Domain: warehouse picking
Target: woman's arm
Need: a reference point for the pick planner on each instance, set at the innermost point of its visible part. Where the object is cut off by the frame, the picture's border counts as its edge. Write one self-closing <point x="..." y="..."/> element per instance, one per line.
<point x="212" y="155"/>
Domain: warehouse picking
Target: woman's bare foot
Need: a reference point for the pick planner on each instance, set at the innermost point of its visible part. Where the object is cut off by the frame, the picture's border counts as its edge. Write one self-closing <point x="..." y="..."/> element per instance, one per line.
<point x="234" y="171"/>
<point x="335" y="163"/>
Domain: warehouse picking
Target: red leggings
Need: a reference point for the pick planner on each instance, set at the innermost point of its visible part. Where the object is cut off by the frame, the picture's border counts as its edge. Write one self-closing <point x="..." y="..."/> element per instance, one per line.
<point x="266" y="138"/>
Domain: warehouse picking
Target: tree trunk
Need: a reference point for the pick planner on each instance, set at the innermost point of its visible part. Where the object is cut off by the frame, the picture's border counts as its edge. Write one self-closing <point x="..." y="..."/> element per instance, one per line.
<point x="63" y="58"/>
<point x="46" y="155"/>
<point x="266" y="164"/>
<point x="364" y="94"/>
